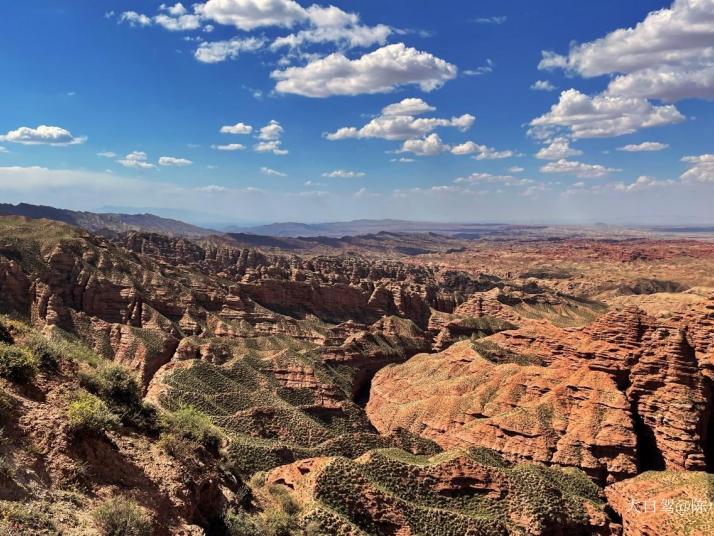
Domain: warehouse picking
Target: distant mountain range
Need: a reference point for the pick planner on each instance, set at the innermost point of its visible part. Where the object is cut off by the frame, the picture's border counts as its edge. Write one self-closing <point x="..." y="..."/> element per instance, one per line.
<point x="385" y="235"/>
<point x="103" y="222"/>
<point x="362" y="227"/>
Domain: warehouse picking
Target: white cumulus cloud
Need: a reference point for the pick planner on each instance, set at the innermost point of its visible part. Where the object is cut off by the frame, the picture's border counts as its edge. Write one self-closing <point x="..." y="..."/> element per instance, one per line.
<point x="669" y="55"/>
<point x="578" y="169"/>
<point x="271" y="131"/>
<point x="480" y="152"/>
<point x="398" y="121"/>
<point x="543" y="85"/>
<point x="171" y="161"/>
<point x="270" y="147"/>
<point x="136" y="159"/>
<point x="272" y="172"/>
<point x="380" y="71"/>
<point x="601" y="116"/>
<point x="430" y="145"/>
<point x="646" y="146"/>
<point x="43" y="135"/>
<point x="408" y="106"/>
<point x="558" y="149"/>
<point x="135" y="19"/>
<point x="212" y="189"/>
<point x="252" y="14"/>
<point x="701" y="168"/>
<point x="238" y="128"/>
<point x="218" y="51"/>
<point x="642" y="183"/>
<point x="229" y="147"/>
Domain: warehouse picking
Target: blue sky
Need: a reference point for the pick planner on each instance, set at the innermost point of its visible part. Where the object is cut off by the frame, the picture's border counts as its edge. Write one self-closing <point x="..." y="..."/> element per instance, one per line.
<point x="463" y="111"/>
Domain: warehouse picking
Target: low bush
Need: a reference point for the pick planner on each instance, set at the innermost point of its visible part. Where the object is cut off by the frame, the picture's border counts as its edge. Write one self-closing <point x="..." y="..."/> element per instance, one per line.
<point x="7" y="404"/>
<point x="285" y="501"/>
<point x="88" y="413"/>
<point x="46" y="353"/>
<point x="144" y="418"/>
<point x="17" y="364"/>
<point x="278" y="523"/>
<point x="113" y="383"/>
<point x="118" y="387"/>
<point x="122" y="517"/>
<point x="177" y="446"/>
<point x="25" y="518"/>
<point x="5" y="335"/>
<point x="272" y="522"/>
<point x="190" y="425"/>
<point x="239" y="523"/>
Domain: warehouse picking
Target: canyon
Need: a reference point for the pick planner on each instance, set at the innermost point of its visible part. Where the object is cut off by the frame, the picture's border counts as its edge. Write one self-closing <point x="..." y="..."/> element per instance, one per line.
<point x="395" y="383"/>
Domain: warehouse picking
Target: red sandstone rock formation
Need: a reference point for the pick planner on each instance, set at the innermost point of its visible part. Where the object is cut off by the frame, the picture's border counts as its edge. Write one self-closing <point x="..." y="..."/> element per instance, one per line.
<point x="550" y="415"/>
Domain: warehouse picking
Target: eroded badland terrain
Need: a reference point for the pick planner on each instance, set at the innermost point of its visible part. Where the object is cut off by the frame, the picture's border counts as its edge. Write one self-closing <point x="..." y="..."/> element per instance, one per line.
<point x="388" y="384"/>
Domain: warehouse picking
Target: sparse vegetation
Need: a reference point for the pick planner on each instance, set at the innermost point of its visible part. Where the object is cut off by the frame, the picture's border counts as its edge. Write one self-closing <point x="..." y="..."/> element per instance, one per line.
<point x="17" y="364"/>
<point x="122" y="517"/>
<point x="277" y="522"/>
<point x="72" y="348"/>
<point x="186" y="429"/>
<point x="497" y="354"/>
<point x="7" y="403"/>
<point x="114" y="384"/>
<point x="119" y="388"/>
<point x="284" y="500"/>
<point x="26" y="519"/>
<point x="89" y="413"/>
<point x="239" y="523"/>
<point x="45" y="352"/>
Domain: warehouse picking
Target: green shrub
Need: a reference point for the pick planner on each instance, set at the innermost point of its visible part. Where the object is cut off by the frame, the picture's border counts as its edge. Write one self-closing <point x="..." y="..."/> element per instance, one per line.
<point x="16" y="364"/>
<point x="122" y="517"/>
<point x="177" y="446"/>
<point x="192" y="425"/>
<point x="278" y="523"/>
<point x="89" y="413"/>
<point x="118" y="387"/>
<point x="144" y="418"/>
<point x="242" y="524"/>
<point x="7" y="404"/>
<point x="26" y="518"/>
<point x="115" y="384"/>
<point x="5" y="335"/>
<point x="285" y="500"/>
<point x="45" y="352"/>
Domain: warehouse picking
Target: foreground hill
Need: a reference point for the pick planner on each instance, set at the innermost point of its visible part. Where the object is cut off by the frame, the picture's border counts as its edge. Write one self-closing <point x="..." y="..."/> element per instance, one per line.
<point x="184" y="386"/>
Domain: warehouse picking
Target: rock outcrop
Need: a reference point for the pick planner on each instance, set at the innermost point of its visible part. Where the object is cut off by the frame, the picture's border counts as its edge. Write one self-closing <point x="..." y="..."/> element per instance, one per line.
<point x="663" y="502"/>
<point x="526" y="413"/>
<point x="657" y="371"/>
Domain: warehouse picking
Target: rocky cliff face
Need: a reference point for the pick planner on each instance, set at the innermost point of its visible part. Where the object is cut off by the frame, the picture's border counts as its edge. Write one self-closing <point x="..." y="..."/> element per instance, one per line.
<point x="525" y="412"/>
<point x="627" y="390"/>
